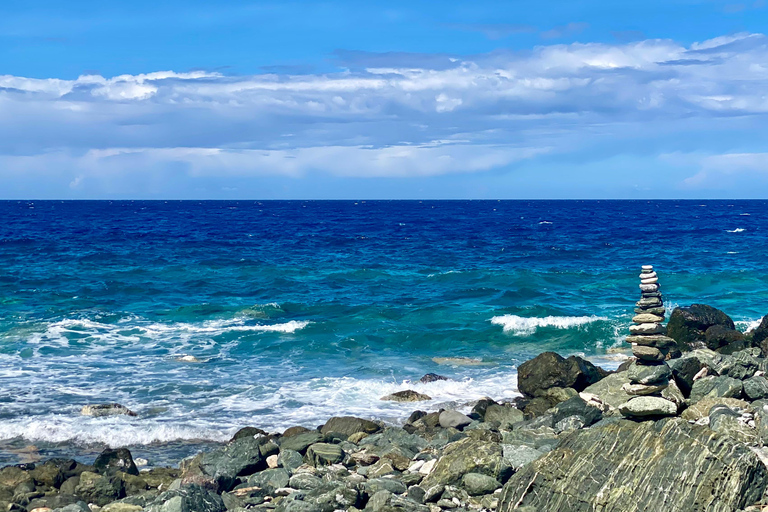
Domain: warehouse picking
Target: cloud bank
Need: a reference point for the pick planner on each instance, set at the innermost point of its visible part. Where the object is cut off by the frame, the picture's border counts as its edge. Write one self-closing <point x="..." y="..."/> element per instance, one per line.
<point x="405" y="116"/>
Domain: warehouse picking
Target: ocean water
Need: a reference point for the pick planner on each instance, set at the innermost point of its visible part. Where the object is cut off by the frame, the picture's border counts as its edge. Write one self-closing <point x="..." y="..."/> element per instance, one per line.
<point x="295" y="311"/>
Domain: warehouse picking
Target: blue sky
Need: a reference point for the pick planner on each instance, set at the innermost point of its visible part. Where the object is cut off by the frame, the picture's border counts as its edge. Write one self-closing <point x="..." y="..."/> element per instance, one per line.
<point x="496" y="99"/>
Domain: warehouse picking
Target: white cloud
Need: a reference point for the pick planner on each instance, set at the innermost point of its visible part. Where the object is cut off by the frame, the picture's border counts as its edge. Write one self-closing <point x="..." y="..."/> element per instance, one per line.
<point x="380" y="121"/>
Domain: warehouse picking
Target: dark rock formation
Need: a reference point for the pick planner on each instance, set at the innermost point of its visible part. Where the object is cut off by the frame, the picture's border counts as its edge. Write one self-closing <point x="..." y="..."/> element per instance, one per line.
<point x="549" y="370"/>
<point x="624" y="466"/>
<point x="687" y="326"/>
<point x="432" y="377"/>
<point x="349" y="425"/>
<point x="116" y="460"/>
<point x="408" y="395"/>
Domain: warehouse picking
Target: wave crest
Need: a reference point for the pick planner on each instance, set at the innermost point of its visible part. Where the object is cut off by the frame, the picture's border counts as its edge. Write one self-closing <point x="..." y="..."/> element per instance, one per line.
<point x="521" y="326"/>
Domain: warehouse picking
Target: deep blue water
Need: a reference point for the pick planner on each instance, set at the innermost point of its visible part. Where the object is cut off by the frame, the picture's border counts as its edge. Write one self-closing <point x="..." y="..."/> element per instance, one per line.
<point x="299" y="310"/>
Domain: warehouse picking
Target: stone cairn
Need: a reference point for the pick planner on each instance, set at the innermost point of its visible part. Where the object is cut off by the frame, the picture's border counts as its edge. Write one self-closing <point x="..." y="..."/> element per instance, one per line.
<point x="650" y="374"/>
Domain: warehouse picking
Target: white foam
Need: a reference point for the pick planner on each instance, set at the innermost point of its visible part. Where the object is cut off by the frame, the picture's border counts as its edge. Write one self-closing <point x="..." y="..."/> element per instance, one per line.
<point x="737" y="230"/>
<point x="744" y="214"/>
<point x="521" y="326"/>
<point x="545" y="222"/>
<point x="747" y="325"/>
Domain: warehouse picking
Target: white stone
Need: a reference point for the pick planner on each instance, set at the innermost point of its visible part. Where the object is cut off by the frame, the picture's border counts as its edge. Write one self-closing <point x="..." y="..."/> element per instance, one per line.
<point x="647" y="267"/>
<point x="416" y="466"/>
<point x="648" y="275"/>
<point x="647" y="329"/>
<point x="649" y="287"/>
<point x="428" y="467"/>
<point x="272" y="461"/>
<point x="651" y="280"/>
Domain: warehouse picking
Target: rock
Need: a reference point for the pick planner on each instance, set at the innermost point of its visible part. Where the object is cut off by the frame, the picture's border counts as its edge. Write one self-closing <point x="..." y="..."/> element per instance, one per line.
<point x="48" y="474"/>
<point x="729" y="422"/>
<point x="292" y="431"/>
<point x="289" y="459"/>
<point x="80" y="506"/>
<point x="408" y="395"/>
<point x="454" y="419"/>
<point x="648" y="406"/>
<point x="724" y="340"/>
<point x="688" y="325"/>
<point x="649" y="374"/>
<point x="716" y="387"/>
<point x="305" y="481"/>
<point x="238" y="458"/>
<point x="645" y="389"/>
<point x="117" y="506"/>
<point x="623" y="466"/>
<point x="100" y="489"/>
<point x="651" y="354"/>
<point x="657" y="311"/>
<point x="548" y="370"/>
<point x="324" y="454"/>
<point x="270" y="479"/>
<point x="517" y="456"/>
<point x="674" y="395"/>
<point x="575" y="407"/>
<point x="467" y="456"/>
<point x="653" y="340"/>
<point x="643" y="329"/>
<point x="756" y="388"/>
<point x="609" y="390"/>
<point x="98" y="410"/>
<point x="300" y="442"/>
<point x="116" y="460"/>
<point x="701" y="409"/>
<point x="649" y="302"/>
<point x="478" y="484"/>
<point x="432" y="377"/>
<point x="349" y="425"/>
<point x="647" y="318"/>
<point x="248" y="432"/>
<point x="684" y="370"/>
<point x="649" y="287"/>
<point x="191" y="498"/>
<point x="478" y="410"/>
<point x="504" y="415"/>
<point x="384" y="484"/>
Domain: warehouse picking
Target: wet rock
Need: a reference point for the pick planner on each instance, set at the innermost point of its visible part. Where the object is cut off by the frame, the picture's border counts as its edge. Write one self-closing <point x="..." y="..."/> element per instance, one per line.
<point x="432" y="377"/>
<point x="548" y="370"/>
<point x="649" y="374"/>
<point x="408" y="395"/>
<point x="688" y="325"/>
<point x="99" y="410"/>
<point x="349" y="425"/>
<point x="715" y="387"/>
<point x="270" y="479"/>
<point x="627" y="463"/>
<point x="100" y="489"/>
<point x="648" y="406"/>
<point x="724" y="340"/>
<point x="191" y="498"/>
<point x="300" y="442"/>
<point x="116" y="460"/>
<point x="324" y="454"/>
<point x="454" y="419"/>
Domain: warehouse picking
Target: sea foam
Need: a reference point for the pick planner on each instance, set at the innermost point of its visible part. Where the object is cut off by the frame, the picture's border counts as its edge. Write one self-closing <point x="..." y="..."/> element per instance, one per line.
<point x="521" y="326"/>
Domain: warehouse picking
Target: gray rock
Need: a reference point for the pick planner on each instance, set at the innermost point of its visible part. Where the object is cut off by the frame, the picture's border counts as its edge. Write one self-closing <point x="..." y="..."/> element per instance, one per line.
<point x="727" y="421"/>
<point x="100" y="489"/>
<point x="504" y="415"/>
<point x="727" y="387"/>
<point x="379" y="501"/>
<point x="467" y="456"/>
<point x="643" y="329"/>
<point x="688" y="325"/>
<point x="609" y="390"/>
<point x="517" y="456"/>
<point x="622" y="466"/>
<point x="239" y="458"/>
<point x="432" y="377"/>
<point x="652" y="354"/>
<point x="80" y="506"/>
<point x="117" y="460"/>
<point x="649" y="374"/>
<point x="324" y="454"/>
<point x="756" y="388"/>
<point x="304" y="481"/>
<point x="375" y="485"/>
<point x="417" y="494"/>
<point x="300" y="442"/>
<point x="478" y="484"/>
<point x="98" y="410"/>
<point x="454" y="419"/>
<point x="548" y="370"/>
<point x="645" y="406"/>
<point x="191" y="498"/>
<point x="270" y="479"/>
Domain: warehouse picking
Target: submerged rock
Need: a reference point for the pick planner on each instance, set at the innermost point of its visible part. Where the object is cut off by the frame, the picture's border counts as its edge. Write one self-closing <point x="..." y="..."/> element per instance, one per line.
<point x="625" y="466"/>
<point x="408" y="395"/>
<point x="432" y="377"/>
<point x="98" y="410"/>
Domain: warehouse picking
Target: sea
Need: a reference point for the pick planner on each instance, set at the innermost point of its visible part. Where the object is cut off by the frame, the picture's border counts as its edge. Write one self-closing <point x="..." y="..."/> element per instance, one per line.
<point x="203" y="317"/>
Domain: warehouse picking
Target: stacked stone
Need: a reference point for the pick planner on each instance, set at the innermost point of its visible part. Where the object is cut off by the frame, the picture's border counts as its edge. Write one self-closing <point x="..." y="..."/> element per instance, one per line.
<point x="649" y="375"/>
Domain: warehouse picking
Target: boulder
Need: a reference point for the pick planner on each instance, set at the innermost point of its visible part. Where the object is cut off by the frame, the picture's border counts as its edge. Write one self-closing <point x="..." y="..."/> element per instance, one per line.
<point x="408" y="395"/>
<point x="649" y="373"/>
<point x="238" y="458"/>
<point x="467" y="456"/>
<point x="688" y="325"/>
<point x="270" y="479"/>
<point x="648" y="406"/>
<point x="349" y="425"/>
<point x="454" y="419"/>
<point x="724" y="340"/>
<point x="248" y="432"/>
<point x="609" y="390"/>
<point x="756" y="388"/>
<point x="116" y="460"/>
<point x="727" y="421"/>
<point x="477" y="484"/>
<point x="760" y="334"/>
<point x="504" y="415"/>
<point x="548" y="370"/>
<point x="518" y="455"/>
<point x="627" y="466"/>
<point x="289" y="459"/>
<point x="701" y="409"/>
<point x="100" y="489"/>
<point x="300" y="442"/>
<point x="324" y="454"/>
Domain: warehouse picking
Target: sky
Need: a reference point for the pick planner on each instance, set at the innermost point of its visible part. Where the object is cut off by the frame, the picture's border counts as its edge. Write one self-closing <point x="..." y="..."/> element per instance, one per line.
<point x="578" y="99"/>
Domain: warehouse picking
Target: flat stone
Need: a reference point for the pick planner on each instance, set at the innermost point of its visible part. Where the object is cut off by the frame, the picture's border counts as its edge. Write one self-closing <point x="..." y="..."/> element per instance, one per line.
<point x="658" y="311"/>
<point x="650" y="280"/>
<point x="651" y="340"/>
<point x="324" y="454"/>
<point x="649" y="287"/>
<point x="650" y="328"/>
<point x="714" y="387"/>
<point x="647" y="275"/>
<point x="644" y="389"/>
<point x="647" y="267"/>
<point x="647" y="318"/>
<point x="647" y="353"/>
<point x="649" y="373"/>
<point x="650" y="294"/>
<point x="454" y="419"/>
<point x="649" y="302"/>
<point x="756" y="388"/>
<point x="644" y="406"/>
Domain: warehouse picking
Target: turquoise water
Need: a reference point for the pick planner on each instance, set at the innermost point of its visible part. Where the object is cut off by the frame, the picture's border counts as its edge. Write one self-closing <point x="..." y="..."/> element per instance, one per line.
<point x="203" y="317"/>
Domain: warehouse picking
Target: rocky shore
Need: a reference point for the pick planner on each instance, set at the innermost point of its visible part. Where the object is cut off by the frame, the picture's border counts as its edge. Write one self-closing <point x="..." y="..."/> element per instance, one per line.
<point x="579" y="439"/>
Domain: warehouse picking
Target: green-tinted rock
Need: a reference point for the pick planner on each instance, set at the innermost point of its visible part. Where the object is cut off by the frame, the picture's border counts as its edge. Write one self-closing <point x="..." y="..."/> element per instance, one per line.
<point x="649" y="374"/>
<point x="627" y="466"/>
<point x="609" y="390"/>
<point x="408" y="395"/>
<point x="290" y="459"/>
<point x="756" y="388"/>
<point x="191" y="498"/>
<point x="238" y="458"/>
<point x="100" y="489"/>
<point x="300" y="442"/>
<point x="270" y="479"/>
<point x="384" y="484"/>
<point x="478" y="484"/>
<point x="116" y="460"/>
<point x="349" y="425"/>
<point x="715" y="387"/>
<point x="726" y="421"/>
<point x="517" y="456"/>
<point x="648" y="406"/>
<point x="324" y="454"/>
<point x="504" y="415"/>
<point x="467" y="456"/>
